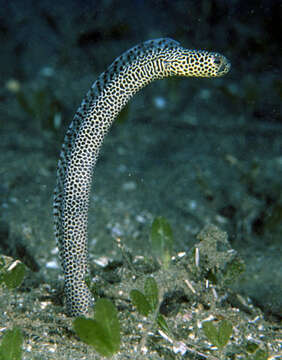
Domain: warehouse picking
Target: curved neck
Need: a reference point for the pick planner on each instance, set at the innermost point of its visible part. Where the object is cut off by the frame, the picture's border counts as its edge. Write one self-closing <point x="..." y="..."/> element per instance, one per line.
<point x="101" y="105"/>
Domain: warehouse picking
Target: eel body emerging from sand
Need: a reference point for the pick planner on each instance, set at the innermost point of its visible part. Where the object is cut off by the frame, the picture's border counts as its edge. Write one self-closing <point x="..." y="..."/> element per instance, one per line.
<point x="134" y="69"/>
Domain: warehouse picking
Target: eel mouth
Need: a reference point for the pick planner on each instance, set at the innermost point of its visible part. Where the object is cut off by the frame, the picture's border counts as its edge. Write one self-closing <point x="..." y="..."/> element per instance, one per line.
<point x="224" y="67"/>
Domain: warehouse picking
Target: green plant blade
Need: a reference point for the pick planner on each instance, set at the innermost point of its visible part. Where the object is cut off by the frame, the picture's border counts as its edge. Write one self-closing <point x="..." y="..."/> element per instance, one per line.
<point x="139" y="300"/>
<point x="224" y="332"/>
<point x="14" y="277"/>
<point x="106" y="314"/>
<point x="93" y="333"/>
<point x="162" y="240"/>
<point x="11" y="346"/>
<point x="211" y="332"/>
<point x="151" y="292"/>
<point x="163" y="324"/>
<point x="103" y="333"/>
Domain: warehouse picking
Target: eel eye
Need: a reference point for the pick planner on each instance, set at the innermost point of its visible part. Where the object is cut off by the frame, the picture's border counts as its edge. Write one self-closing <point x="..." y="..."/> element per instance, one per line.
<point x="217" y="60"/>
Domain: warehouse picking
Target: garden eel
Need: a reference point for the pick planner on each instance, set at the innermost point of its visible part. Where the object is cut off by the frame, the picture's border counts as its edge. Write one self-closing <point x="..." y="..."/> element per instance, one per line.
<point x="135" y="68"/>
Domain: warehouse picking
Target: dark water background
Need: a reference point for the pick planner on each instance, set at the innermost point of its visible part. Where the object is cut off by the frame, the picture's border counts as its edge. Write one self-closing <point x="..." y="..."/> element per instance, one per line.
<point x="195" y="151"/>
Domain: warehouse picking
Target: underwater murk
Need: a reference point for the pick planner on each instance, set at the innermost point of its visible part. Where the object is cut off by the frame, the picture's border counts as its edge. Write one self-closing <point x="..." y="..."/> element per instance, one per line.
<point x="173" y="250"/>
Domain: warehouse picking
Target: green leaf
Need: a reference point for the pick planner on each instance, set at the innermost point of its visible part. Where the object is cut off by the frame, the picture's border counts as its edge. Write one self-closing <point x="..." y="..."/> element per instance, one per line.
<point x="211" y="332"/>
<point x="103" y="333"/>
<point x="151" y="292"/>
<point x="14" y="275"/>
<point x="106" y="314"/>
<point x="140" y="301"/>
<point x="162" y="240"/>
<point x="11" y="346"/>
<point x="218" y="337"/>
<point x="163" y="324"/>
<point x="224" y="332"/>
<point x="93" y="333"/>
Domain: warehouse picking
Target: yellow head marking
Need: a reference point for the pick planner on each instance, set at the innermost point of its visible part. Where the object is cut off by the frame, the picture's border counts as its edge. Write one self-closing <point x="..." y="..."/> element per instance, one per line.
<point x="196" y="63"/>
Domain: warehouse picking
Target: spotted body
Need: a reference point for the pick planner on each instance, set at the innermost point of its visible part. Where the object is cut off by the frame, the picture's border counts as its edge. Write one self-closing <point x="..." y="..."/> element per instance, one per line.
<point x="137" y="67"/>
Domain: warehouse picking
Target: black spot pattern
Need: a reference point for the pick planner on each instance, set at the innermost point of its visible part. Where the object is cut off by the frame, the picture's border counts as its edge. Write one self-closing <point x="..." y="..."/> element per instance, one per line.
<point x="137" y="67"/>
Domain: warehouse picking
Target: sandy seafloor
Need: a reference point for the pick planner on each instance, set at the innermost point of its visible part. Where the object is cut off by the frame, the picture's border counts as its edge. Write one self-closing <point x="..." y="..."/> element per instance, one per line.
<point x="195" y="151"/>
